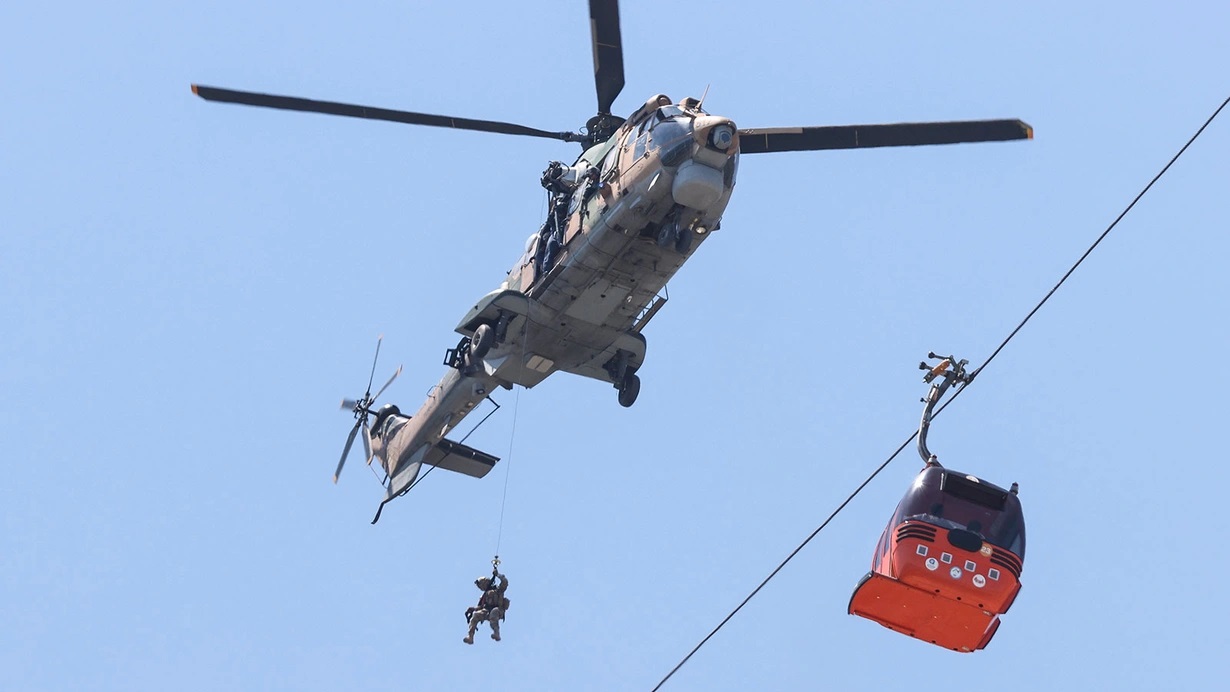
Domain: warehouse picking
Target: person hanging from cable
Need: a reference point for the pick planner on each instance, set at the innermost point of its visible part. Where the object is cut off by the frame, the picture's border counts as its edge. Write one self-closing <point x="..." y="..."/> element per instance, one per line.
<point x="491" y="605"/>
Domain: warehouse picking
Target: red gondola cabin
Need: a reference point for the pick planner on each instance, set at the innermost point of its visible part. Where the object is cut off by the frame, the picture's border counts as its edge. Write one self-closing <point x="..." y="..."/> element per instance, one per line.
<point x="948" y="564"/>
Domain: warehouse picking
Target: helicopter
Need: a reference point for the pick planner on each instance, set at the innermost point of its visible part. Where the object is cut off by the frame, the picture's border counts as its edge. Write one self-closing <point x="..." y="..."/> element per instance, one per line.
<point x="645" y="193"/>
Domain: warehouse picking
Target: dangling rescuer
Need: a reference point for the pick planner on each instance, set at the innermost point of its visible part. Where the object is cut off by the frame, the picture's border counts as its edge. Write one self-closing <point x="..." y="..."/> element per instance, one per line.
<point x="491" y="605"/>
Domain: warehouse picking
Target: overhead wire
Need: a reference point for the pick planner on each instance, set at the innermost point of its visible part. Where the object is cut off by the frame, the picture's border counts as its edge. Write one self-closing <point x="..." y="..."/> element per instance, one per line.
<point x="952" y="398"/>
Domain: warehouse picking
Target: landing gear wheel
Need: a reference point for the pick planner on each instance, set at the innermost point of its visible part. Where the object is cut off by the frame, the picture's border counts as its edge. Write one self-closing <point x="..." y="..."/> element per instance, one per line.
<point x="667" y="235"/>
<point x="482" y="340"/>
<point x="629" y="391"/>
<point x="684" y="242"/>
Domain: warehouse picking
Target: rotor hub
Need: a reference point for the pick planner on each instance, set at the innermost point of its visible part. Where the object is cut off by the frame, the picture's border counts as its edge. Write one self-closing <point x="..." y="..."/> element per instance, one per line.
<point x="601" y="127"/>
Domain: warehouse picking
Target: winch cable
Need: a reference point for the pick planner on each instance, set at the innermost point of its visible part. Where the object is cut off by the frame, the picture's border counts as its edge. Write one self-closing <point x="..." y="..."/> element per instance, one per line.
<point x="507" y="470"/>
<point x="512" y="434"/>
<point x="955" y="394"/>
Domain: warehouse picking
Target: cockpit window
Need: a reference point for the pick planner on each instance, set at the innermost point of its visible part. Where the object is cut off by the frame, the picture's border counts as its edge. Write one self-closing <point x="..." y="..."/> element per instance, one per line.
<point x="672" y="133"/>
<point x="668" y="112"/>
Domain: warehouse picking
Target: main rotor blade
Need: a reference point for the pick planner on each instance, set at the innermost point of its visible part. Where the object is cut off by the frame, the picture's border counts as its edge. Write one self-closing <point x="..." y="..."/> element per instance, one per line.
<point x="367" y="443"/>
<point x="386" y="384"/>
<point x="345" y="451"/>
<point x="349" y="404"/>
<point x="775" y="139"/>
<point x="291" y="103"/>
<point x="608" y="51"/>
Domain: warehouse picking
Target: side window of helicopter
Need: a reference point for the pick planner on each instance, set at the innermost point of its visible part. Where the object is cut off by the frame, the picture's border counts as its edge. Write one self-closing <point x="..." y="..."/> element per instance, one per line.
<point x="608" y="163"/>
<point x="642" y="139"/>
<point x="580" y="194"/>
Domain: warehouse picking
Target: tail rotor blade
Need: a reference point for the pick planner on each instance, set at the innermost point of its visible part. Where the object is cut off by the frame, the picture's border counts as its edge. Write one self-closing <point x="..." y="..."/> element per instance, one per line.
<point x="345" y="451"/>
<point x="386" y="384"/>
<point x="367" y="443"/>
<point x="371" y="377"/>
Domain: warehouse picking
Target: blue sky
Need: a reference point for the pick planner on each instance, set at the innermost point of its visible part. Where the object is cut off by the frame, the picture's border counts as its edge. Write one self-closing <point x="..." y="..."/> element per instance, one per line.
<point x="190" y="288"/>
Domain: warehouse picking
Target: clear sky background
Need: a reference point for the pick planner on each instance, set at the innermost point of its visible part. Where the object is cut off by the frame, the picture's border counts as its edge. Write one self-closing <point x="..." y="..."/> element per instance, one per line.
<point x="188" y="290"/>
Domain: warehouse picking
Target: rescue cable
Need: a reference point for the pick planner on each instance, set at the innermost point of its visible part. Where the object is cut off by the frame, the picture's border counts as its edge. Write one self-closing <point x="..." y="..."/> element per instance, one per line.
<point x="507" y="472"/>
<point x="964" y="384"/>
<point x="512" y="438"/>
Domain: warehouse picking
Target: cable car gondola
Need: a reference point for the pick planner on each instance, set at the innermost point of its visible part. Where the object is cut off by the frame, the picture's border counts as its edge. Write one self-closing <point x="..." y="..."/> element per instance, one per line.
<point x="949" y="562"/>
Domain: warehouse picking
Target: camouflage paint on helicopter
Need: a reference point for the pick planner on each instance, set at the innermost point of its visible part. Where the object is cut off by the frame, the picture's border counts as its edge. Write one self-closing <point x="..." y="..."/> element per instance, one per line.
<point x="637" y="203"/>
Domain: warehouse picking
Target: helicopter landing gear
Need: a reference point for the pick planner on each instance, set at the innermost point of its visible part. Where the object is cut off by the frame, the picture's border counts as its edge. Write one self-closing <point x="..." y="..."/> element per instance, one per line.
<point x="481" y="342"/>
<point x="623" y="374"/>
<point x="683" y="242"/>
<point x="629" y="389"/>
<point x="622" y="371"/>
<point x="669" y="234"/>
<point x="675" y="233"/>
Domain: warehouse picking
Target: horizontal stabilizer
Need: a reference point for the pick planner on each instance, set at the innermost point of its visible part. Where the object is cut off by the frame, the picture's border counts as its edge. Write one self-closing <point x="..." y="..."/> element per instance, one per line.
<point x="454" y="456"/>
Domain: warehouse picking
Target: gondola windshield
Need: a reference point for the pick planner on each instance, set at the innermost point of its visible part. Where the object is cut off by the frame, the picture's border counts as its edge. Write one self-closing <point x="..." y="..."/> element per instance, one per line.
<point x="952" y="500"/>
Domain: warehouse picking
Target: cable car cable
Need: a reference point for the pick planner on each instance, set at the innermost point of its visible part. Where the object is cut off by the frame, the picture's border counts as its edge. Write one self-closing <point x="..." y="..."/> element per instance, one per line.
<point x="1099" y="240"/>
<point x="955" y="394"/>
<point x="788" y="559"/>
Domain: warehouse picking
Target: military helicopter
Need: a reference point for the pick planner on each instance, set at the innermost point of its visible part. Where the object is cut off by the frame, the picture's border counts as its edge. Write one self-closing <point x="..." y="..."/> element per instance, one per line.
<point x="642" y="197"/>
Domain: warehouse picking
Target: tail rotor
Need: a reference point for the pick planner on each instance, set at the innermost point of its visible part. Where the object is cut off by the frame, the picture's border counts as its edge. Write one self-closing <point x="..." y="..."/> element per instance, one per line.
<point x="362" y="408"/>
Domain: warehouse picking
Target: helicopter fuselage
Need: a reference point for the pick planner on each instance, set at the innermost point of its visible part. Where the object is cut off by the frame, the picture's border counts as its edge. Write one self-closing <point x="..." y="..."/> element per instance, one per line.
<point x="591" y="277"/>
<point x="624" y="219"/>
